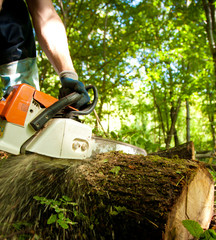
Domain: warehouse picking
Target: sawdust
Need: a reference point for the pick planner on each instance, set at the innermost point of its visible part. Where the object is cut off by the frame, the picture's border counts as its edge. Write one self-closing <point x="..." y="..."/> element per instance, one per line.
<point x="22" y="178"/>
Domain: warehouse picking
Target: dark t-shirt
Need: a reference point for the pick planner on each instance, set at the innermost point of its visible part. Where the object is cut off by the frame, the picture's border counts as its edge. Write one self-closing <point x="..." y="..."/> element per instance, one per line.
<point x="16" y="34"/>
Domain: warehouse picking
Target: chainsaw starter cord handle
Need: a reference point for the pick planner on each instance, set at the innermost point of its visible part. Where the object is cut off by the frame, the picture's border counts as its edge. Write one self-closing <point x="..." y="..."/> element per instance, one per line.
<point x="70" y="99"/>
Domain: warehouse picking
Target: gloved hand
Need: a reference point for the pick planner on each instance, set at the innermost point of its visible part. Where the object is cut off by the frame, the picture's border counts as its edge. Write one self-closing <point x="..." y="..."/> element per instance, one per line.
<point x="71" y="84"/>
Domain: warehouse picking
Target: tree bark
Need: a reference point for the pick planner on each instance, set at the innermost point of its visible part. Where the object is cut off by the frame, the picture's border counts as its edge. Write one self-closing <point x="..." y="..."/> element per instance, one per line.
<point x="187" y="121"/>
<point x="176" y="139"/>
<point x="157" y="106"/>
<point x="209" y="8"/>
<point x="174" y="115"/>
<point x="212" y="120"/>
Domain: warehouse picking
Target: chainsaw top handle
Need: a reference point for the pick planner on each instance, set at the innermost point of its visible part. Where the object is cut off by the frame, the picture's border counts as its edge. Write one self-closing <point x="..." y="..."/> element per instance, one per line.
<point x="68" y="100"/>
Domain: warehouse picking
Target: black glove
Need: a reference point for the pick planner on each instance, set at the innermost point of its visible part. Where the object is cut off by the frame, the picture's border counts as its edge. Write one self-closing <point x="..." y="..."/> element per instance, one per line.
<point x="69" y="85"/>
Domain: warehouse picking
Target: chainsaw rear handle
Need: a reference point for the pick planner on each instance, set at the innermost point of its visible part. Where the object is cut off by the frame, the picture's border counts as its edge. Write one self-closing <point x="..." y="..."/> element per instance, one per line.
<point x="89" y="107"/>
<point x="68" y="100"/>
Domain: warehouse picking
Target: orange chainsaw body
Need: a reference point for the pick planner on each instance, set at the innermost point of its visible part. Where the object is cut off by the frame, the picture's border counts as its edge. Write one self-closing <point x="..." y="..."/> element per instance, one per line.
<point x="15" y="107"/>
<point x="23" y="109"/>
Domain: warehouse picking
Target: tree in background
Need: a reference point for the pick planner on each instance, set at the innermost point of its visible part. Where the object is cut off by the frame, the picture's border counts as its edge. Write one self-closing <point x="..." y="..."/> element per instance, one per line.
<point x="210" y="27"/>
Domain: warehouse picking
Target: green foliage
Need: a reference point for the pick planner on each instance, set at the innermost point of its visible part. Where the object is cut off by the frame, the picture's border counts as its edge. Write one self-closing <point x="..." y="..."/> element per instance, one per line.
<point x="196" y="231"/>
<point x="193" y="228"/>
<point x="60" y="209"/>
<point x="208" y="235"/>
<point x="213" y="173"/>
<point x="117" y="210"/>
<point x="146" y="58"/>
<point x="115" y="170"/>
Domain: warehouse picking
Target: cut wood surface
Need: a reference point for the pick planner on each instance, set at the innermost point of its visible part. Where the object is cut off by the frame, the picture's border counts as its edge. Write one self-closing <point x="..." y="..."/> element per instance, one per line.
<point x="118" y="196"/>
<point x="195" y="203"/>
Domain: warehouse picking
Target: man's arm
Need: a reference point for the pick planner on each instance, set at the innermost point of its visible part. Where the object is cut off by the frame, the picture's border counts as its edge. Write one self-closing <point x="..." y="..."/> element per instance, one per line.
<point x="51" y="34"/>
<point x="52" y="37"/>
<point x="1" y="1"/>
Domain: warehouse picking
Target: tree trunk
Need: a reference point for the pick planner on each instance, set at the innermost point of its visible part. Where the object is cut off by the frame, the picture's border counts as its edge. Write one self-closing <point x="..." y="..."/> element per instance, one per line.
<point x="187" y="121"/>
<point x="159" y="112"/>
<point x="176" y="139"/>
<point x="212" y="121"/>
<point x="174" y="115"/>
<point x="209" y="8"/>
<point x="118" y="196"/>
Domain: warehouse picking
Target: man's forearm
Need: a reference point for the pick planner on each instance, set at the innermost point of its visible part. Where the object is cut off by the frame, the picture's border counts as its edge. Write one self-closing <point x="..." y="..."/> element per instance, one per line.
<point x="1" y="2"/>
<point x="52" y="38"/>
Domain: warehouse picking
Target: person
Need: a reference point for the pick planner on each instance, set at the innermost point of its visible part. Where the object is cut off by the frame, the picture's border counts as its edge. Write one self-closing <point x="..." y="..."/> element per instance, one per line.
<point x="18" y="51"/>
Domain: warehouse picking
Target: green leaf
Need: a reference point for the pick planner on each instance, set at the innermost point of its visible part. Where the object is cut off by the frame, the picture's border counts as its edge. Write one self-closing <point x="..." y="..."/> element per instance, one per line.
<point x="42" y="200"/>
<point x="62" y="223"/>
<point x="67" y="220"/>
<point x="61" y="216"/>
<point x="56" y="203"/>
<point x="121" y="209"/>
<point x="37" y="198"/>
<point x="212" y="233"/>
<point x="58" y="209"/>
<point x="208" y="235"/>
<point x="114" y="213"/>
<point x="52" y="219"/>
<point x="72" y="203"/>
<point x="67" y="199"/>
<point x="115" y="170"/>
<point x="193" y="228"/>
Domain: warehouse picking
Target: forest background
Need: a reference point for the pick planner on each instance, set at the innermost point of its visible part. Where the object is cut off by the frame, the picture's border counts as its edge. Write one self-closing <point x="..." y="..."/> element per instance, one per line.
<point x="153" y="63"/>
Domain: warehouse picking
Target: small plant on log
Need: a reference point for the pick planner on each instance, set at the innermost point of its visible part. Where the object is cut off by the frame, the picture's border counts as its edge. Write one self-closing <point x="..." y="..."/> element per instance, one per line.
<point x="59" y="207"/>
<point x="196" y="231"/>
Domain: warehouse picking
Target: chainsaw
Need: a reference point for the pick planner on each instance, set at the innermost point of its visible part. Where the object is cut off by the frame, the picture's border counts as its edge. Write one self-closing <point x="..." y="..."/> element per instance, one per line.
<point x="34" y="122"/>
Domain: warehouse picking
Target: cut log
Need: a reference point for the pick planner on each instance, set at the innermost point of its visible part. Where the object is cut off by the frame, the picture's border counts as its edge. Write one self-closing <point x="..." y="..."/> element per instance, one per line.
<point x="195" y="203"/>
<point x="205" y="154"/>
<point x="118" y="196"/>
<point x="184" y="151"/>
